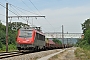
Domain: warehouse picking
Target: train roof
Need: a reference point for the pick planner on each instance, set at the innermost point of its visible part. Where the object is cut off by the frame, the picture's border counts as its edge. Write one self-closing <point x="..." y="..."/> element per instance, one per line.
<point x="26" y="28"/>
<point x="32" y="28"/>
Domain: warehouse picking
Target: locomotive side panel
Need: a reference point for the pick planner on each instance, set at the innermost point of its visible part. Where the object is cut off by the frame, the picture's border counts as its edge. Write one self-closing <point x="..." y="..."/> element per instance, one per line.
<point x="39" y="40"/>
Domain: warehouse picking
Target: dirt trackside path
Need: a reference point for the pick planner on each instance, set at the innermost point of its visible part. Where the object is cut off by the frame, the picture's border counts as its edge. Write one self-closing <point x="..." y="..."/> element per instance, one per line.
<point x="66" y="55"/>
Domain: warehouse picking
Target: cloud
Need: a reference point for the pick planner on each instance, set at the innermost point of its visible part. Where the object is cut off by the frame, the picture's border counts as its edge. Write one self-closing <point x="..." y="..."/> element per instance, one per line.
<point x="67" y="11"/>
<point x="70" y="17"/>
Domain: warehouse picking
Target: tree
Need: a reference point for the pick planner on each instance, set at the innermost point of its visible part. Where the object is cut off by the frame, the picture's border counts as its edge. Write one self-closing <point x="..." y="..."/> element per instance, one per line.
<point x="11" y="35"/>
<point x="2" y="33"/>
<point x="86" y="30"/>
<point x="86" y="25"/>
<point x="16" y="25"/>
<point x="2" y="37"/>
<point x="57" y="41"/>
<point x="85" y="42"/>
<point x="1" y="45"/>
<point x="87" y="36"/>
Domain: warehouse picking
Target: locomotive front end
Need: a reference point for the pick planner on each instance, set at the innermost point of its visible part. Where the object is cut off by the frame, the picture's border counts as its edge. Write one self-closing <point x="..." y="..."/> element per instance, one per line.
<point x="25" y="39"/>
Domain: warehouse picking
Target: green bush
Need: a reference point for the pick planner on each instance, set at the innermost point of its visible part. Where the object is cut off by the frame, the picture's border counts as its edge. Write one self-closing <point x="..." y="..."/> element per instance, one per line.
<point x="87" y="36"/>
<point x="3" y="48"/>
<point x="1" y="45"/>
<point x="12" y="47"/>
<point x="85" y="43"/>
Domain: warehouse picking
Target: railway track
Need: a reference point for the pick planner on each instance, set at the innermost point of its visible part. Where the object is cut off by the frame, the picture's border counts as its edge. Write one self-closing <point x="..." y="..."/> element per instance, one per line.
<point x="14" y="53"/>
<point x="10" y="54"/>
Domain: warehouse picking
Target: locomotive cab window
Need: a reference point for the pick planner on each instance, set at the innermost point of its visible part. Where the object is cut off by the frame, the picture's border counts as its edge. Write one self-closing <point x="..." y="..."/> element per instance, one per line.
<point x="25" y="33"/>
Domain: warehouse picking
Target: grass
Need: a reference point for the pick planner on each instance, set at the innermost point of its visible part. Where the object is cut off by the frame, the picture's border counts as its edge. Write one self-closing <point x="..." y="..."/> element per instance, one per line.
<point x="82" y="54"/>
<point x="11" y="47"/>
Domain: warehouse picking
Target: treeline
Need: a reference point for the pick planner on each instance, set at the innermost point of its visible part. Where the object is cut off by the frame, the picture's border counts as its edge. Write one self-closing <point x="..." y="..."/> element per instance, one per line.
<point x="11" y="38"/>
<point x="85" y="42"/>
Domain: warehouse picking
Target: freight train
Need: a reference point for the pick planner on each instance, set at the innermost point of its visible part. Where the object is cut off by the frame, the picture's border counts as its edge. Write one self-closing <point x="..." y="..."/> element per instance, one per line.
<point x="32" y="38"/>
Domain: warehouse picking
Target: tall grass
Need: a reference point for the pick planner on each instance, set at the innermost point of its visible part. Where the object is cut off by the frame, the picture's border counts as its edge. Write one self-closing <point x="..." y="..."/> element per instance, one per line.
<point x="82" y="54"/>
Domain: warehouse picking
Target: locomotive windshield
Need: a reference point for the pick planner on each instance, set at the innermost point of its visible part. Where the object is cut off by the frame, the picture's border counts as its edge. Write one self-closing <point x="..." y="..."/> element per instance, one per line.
<point x="25" y="33"/>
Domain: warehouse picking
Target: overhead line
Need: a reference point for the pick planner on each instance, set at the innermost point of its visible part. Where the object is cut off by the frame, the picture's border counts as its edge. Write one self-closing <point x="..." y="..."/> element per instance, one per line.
<point x="5" y="7"/>
<point x="19" y="10"/>
<point x="38" y="11"/>
<point x="20" y="16"/>
<point x="2" y="5"/>
<point x="34" y="6"/>
<point x="17" y="15"/>
<point x="44" y="27"/>
<point x="16" y="11"/>
<point x="26" y="4"/>
<point x="50" y="24"/>
<point x="11" y="11"/>
<point x="23" y="9"/>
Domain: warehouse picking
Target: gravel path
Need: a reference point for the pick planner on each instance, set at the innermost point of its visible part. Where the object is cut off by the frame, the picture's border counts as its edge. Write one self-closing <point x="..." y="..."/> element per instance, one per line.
<point x="66" y="55"/>
<point x="48" y="56"/>
<point x="70" y="54"/>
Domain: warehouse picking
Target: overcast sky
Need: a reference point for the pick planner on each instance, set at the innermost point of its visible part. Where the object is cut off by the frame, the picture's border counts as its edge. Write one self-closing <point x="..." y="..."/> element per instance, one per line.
<point x="69" y="13"/>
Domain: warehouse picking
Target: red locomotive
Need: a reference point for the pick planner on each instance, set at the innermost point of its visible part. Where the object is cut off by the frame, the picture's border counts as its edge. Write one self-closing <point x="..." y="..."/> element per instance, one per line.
<point x="30" y="38"/>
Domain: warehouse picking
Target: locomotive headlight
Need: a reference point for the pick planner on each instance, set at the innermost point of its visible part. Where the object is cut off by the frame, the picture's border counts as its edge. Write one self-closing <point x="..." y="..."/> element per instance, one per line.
<point x="19" y="41"/>
<point x="28" y="41"/>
